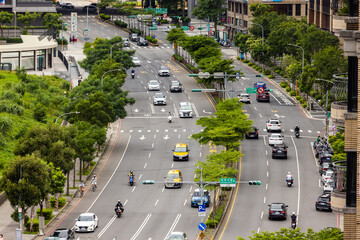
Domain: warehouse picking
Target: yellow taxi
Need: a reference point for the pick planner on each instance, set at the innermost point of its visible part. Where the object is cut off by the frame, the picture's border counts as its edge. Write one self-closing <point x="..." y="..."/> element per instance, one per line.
<point x="181" y="152"/>
<point x="173" y="179"/>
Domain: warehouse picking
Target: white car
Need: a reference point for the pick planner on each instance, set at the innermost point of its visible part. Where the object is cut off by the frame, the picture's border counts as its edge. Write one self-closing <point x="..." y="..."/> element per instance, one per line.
<point x="177" y="236"/>
<point x="244" y="97"/>
<point x="326" y="176"/>
<point x="159" y="99"/>
<point x="86" y="222"/>
<point x="136" y="61"/>
<point x="126" y="42"/>
<point x="164" y="71"/>
<point x="273" y="125"/>
<point x="154" y="85"/>
<point x="185" y="110"/>
<point x="328" y="186"/>
<point x="276" y="139"/>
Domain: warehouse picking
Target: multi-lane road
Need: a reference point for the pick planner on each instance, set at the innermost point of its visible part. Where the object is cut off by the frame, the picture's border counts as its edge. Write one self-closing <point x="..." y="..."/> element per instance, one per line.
<point x="144" y="143"/>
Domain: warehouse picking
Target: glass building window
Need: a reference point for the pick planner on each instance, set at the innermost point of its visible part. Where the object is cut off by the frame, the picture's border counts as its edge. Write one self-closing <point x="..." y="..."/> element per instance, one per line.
<point x="245" y="9"/>
<point x="298" y="10"/>
<point x="289" y="11"/>
<point x="28" y="60"/>
<point x="10" y="57"/>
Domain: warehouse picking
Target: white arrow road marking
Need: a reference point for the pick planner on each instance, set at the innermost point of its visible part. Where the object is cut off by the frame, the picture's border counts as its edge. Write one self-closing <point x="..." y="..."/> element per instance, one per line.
<point x="148" y="61"/>
<point x="278" y="116"/>
<point x="163" y="110"/>
<point x="142" y="137"/>
<point x="141" y="227"/>
<point x="136" y="110"/>
<point x="166" y="137"/>
<point x="173" y="225"/>
<point x="206" y="112"/>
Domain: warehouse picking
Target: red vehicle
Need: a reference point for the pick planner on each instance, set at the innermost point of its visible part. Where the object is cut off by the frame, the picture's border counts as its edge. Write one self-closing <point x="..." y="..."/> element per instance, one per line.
<point x="263" y="97"/>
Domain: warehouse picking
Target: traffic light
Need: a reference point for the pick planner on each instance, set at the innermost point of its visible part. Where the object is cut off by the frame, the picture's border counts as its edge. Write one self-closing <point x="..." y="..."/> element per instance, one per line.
<point x="254" y="182"/>
<point x="148" y="182"/>
<point x="259" y="75"/>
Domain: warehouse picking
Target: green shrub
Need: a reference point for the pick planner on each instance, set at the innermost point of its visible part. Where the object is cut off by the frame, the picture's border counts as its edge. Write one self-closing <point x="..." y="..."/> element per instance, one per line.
<point x="282" y="73"/>
<point x="292" y="93"/>
<point x="277" y="71"/>
<point x="283" y="84"/>
<point x="191" y="67"/>
<point x="10" y="107"/>
<point x="271" y="76"/>
<point x="288" y="88"/>
<point x="210" y="223"/>
<point x="164" y="21"/>
<point x="298" y="98"/>
<point x="318" y="97"/>
<point x="120" y="24"/>
<point x="12" y="40"/>
<point x="250" y="64"/>
<point x="150" y="39"/>
<point x="47" y="213"/>
<point x="134" y="30"/>
<point x="301" y="100"/>
<point x="238" y="58"/>
<point x="338" y="157"/>
<point x="39" y="113"/>
<point x="322" y="102"/>
<point x="104" y="16"/>
<point x="267" y="72"/>
<point x="178" y="57"/>
<point x="62" y="202"/>
<point x="313" y="93"/>
<point x="5" y="124"/>
<point x="35" y="225"/>
<point x="304" y="104"/>
<point x="246" y="61"/>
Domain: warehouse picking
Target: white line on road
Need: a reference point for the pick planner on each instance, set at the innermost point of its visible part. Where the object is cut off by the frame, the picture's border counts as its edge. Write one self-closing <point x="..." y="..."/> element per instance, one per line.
<point x="133" y="189"/>
<point x="152" y="145"/>
<point x="173" y="225"/>
<point x="267" y="174"/>
<point x="258" y="230"/>
<point x="140" y="176"/>
<point x="172" y="165"/>
<point x="266" y="187"/>
<point x="152" y="108"/>
<point x="190" y="189"/>
<point x="200" y="154"/>
<point x="106" y="226"/>
<point x="149" y="155"/>
<point x="267" y="162"/>
<point x="141" y="227"/>
<point x="264" y="140"/>
<point x="255" y="108"/>
<point x="196" y="112"/>
<point x="312" y="149"/>
<point x="163" y="189"/>
<point x="266" y="155"/>
<point x="145" y="165"/>
<point x="260" y="115"/>
<point x="298" y="174"/>
<point x="156" y="202"/>
<point x="154" y="136"/>
<point x="262" y="214"/>
<point x="125" y="202"/>
<point x="179" y="135"/>
<point x="265" y="199"/>
<point x="185" y="202"/>
<point x="115" y="170"/>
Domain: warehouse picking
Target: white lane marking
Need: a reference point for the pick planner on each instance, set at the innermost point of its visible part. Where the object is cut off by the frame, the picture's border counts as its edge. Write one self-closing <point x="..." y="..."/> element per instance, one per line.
<point x="156" y="202"/>
<point x="112" y="175"/>
<point x="179" y="135"/>
<point x="172" y="165"/>
<point x="125" y="202"/>
<point x="264" y="140"/>
<point x="189" y="97"/>
<point x="200" y="154"/>
<point x="266" y="155"/>
<point x="133" y="189"/>
<point x="152" y="145"/>
<point x="196" y="112"/>
<point x="131" y="130"/>
<point x="154" y="136"/>
<point x="255" y="108"/>
<point x="318" y="132"/>
<point x="262" y="214"/>
<point x="141" y="227"/>
<point x="140" y="176"/>
<point x="149" y="155"/>
<point x="163" y="189"/>
<point x="190" y="189"/>
<point x="152" y="108"/>
<point x="166" y="130"/>
<point x="258" y="230"/>
<point x="171" y="98"/>
<point x="275" y="98"/>
<point x="264" y="199"/>
<point x="148" y="130"/>
<point x="185" y="202"/>
<point x="260" y="115"/>
<point x="106" y="226"/>
<point x="267" y="162"/>
<point x="149" y="99"/>
<point x="139" y="131"/>
<point x="266" y="187"/>
<point x="298" y="175"/>
<point x="267" y="174"/>
<point x="309" y="131"/>
<point x="145" y="165"/>
<point x="312" y="149"/>
<point x="173" y="225"/>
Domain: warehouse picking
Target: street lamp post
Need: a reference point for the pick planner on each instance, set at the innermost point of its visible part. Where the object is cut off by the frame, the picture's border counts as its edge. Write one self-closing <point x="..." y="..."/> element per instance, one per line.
<point x="262" y="40"/>
<point x="102" y="77"/>
<point x="111" y="48"/>
<point x="113" y="23"/>
<point x="65" y="114"/>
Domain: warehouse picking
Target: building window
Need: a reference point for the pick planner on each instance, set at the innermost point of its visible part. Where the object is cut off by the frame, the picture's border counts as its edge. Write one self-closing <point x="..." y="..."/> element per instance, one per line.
<point x="245" y="9"/>
<point x="245" y="24"/>
<point x="306" y="9"/>
<point x="236" y="7"/>
<point x="317" y="5"/>
<point x="229" y="6"/>
<point x="298" y="10"/>
<point x="352" y="84"/>
<point x="28" y="60"/>
<point x="240" y="8"/>
<point x="41" y="59"/>
<point x="232" y="6"/>
<point x="289" y="11"/>
<point x="311" y="4"/>
<point x="326" y="7"/>
<point x="236" y="21"/>
<point x="10" y="57"/>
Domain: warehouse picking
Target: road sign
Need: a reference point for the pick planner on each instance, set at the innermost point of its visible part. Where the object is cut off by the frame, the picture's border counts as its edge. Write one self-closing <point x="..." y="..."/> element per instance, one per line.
<point x="153" y="36"/>
<point x="157" y="10"/>
<point x="152" y="28"/>
<point x="201" y="226"/>
<point x="204" y="75"/>
<point x="201" y="214"/>
<point x="201" y="211"/>
<point x="218" y="74"/>
<point x="73" y="21"/>
<point x="237" y="75"/>
<point x="227" y="182"/>
<point x="191" y="28"/>
<point x="164" y="15"/>
<point x="185" y="28"/>
<point x="260" y="90"/>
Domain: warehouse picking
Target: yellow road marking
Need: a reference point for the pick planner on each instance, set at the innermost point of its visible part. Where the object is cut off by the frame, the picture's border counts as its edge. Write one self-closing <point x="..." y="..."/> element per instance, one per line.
<point x="274" y="110"/>
<point x="244" y="110"/>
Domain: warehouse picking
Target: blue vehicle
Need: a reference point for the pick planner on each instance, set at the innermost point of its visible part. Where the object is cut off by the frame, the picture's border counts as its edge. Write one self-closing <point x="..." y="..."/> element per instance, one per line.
<point x="196" y="199"/>
<point x="260" y="84"/>
<point x="131" y="179"/>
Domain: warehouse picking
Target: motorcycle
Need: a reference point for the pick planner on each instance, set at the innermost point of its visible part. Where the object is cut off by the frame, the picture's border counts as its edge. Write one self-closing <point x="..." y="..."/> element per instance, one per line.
<point x="118" y="211"/>
<point x="289" y="182"/>
<point x="293" y="224"/>
<point x="297" y="134"/>
<point x="131" y="180"/>
<point x="169" y="118"/>
<point x="132" y="75"/>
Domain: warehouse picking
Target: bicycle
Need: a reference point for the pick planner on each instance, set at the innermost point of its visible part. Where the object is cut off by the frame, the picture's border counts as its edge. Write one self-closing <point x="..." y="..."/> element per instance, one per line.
<point x="81" y="192"/>
<point x="93" y="187"/>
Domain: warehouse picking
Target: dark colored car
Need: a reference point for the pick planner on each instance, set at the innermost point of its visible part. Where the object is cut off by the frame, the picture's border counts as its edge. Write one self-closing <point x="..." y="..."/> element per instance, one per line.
<point x="325" y="157"/>
<point x="263" y="97"/>
<point x="176" y="86"/>
<point x="324" y="167"/>
<point x="279" y="151"/>
<point x="63" y="234"/>
<point x="142" y="42"/>
<point x="323" y="202"/>
<point x="90" y="8"/>
<point x="278" y="210"/>
<point x="254" y="133"/>
<point x="67" y="6"/>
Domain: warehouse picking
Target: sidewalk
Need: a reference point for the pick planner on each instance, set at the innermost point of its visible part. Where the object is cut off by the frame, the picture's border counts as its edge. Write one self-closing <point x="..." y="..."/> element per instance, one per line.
<point x="7" y="225"/>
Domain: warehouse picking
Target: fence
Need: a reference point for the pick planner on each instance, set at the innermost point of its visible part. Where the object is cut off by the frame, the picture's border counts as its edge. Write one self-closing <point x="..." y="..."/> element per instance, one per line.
<point x="63" y="59"/>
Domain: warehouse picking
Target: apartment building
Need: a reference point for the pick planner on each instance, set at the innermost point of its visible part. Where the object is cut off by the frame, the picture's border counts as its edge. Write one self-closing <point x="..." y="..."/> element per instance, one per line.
<point x="21" y="6"/>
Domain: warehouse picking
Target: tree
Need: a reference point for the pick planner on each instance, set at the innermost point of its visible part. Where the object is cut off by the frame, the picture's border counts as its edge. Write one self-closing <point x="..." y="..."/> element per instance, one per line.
<point x="58" y="180"/>
<point x="26" y="19"/>
<point x="53" y="20"/>
<point x="206" y="52"/>
<point x="216" y="64"/>
<point x="307" y="79"/>
<point x="296" y="234"/>
<point x="209" y="9"/>
<point x="5" y="18"/>
<point x="226" y="128"/>
<point x="240" y="41"/>
<point x="175" y="36"/>
<point x="193" y="44"/>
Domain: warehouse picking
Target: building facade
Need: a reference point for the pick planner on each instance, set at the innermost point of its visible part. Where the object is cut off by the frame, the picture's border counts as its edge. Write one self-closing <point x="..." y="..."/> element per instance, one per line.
<point x="239" y="15"/>
<point x="21" y="6"/>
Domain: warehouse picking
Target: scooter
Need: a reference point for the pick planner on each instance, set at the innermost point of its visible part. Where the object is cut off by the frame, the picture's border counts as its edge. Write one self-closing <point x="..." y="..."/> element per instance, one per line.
<point x="289" y="182"/>
<point x="293" y="224"/>
<point x="131" y="180"/>
<point x="132" y="75"/>
<point x="297" y="134"/>
<point x="118" y="211"/>
<point x="169" y="118"/>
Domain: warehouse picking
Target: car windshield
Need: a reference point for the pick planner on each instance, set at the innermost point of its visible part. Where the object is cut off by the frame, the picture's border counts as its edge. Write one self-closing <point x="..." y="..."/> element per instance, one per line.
<point x="135" y="59"/>
<point x="154" y="83"/>
<point x="159" y="95"/>
<point x="60" y="234"/>
<point x="185" y="107"/>
<point x="276" y="206"/>
<point x="197" y="193"/>
<point x="244" y="95"/>
<point x="173" y="176"/>
<point x="175" y="83"/>
<point x="274" y="122"/>
<point x="324" y="199"/>
<point x="163" y="68"/>
<point x="180" y="149"/>
<point x="176" y="237"/>
<point x="134" y="35"/>
<point x="85" y="218"/>
<point x="275" y="136"/>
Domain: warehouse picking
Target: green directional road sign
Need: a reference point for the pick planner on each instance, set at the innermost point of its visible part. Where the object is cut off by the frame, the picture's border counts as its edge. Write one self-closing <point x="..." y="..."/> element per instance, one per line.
<point x="152" y="28"/>
<point x="200" y="28"/>
<point x="132" y="16"/>
<point x="251" y="90"/>
<point x="227" y="182"/>
<point x="185" y="28"/>
<point x="157" y="10"/>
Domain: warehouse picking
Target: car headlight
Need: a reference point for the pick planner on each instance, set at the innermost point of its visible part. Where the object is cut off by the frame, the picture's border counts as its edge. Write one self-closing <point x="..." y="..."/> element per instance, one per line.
<point x="206" y="200"/>
<point x="91" y="227"/>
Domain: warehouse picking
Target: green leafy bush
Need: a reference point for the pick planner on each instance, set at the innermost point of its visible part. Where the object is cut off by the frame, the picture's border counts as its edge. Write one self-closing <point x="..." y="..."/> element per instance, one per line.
<point x="210" y="223"/>
<point x="283" y="84"/>
<point x="35" y="225"/>
<point x="318" y="97"/>
<point x="277" y="71"/>
<point x="39" y="113"/>
<point x="104" y="16"/>
<point x="288" y="88"/>
<point x="120" y="24"/>
<point x="11" y="40"/>
<point x="304" y="104"/>
<point x="267" y="72"/>
<point x="5" y="124"/>
<point x="338" y="157"/>
<point x="11" y="107"/>
<point x="246" y="61"/>
<point x="47" y="213"/>
<point x="298" y="98"/>
<point x="62" y="202"/>
<point x="134" y="30"/>
<point x="178" y="57"/>
<point x="271" y="76"/>
<point x="292" y="93"/>
<point x="152" y="40"/>
<point x="250" y="64"/>
<point x="63" y="41"/>
<point x="191" y="67"/>
<point x="238" y="58"/>
<point x="164" y="21"/>
<point x="282" y="73"/>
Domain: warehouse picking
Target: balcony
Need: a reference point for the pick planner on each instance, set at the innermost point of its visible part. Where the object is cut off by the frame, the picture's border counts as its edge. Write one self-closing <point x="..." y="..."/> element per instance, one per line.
<point x="338" y="195"/>
<point x="338" y="23"/>
<point x="338" y="109"/>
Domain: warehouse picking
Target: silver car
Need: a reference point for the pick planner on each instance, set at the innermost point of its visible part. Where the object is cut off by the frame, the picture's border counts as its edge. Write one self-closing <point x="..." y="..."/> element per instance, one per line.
<point x="159" y="99"/>
<point x="164" y="71"/>
<point x="177" y="236"/>
<point x="126" y="42"/>
<point x="154" y="85"/>
<point x="136" y="61"/>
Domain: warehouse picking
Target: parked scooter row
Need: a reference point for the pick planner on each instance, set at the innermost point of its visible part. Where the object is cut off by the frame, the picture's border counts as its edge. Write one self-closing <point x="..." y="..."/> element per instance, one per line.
<point x="224" y="43"/>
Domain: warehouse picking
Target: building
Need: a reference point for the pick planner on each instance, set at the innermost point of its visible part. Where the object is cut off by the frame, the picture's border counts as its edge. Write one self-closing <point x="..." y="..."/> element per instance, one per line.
<point x="239" y="15"/>
<point x="35" y="53"/>
<point x="21" y="6"/>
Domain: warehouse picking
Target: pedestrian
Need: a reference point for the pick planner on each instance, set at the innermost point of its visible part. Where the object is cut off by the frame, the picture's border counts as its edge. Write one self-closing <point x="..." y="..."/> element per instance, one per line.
<point x="79" y="80"/>
<point x="1" y="237"/>
<point x="318" y="138"/>
<point x="70" y="39"/>
<point x="73" y="38"/>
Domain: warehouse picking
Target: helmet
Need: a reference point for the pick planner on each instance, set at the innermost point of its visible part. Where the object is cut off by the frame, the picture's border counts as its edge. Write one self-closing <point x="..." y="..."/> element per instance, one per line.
<point x="119" y="201"/>
<point x="293" y="213"/>
<point x="289" y="173"/>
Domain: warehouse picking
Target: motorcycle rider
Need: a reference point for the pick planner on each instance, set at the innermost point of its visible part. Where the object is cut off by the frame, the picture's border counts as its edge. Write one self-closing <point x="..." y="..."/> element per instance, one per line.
<point x="133" y="73"/>
<point x="293" y="218"/>
<point x="297" y="129"/>
<point x="169" y="117"/>
<point x="131" y="173"/>
<point x="94" y="181"/>
<point x="289" y="177"/>
<point x="119" y="205"/>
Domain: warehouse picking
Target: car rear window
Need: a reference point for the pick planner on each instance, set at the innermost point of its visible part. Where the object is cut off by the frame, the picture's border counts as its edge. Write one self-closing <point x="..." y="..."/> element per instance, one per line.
<point x="274" y="122"/>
